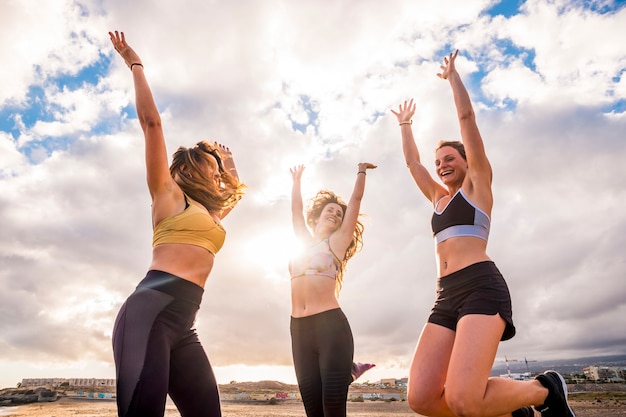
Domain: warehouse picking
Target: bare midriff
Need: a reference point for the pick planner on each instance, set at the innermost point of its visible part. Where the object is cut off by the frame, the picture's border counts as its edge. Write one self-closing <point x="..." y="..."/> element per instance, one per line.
<point x="189" y="262"/>
<point x="312" y="294"/>
<point x="459" y="252"/>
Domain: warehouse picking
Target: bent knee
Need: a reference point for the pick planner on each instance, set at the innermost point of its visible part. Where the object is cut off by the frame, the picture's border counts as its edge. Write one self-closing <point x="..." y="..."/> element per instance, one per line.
<point x="461" y="407"/>
<point x="423" y="403"/>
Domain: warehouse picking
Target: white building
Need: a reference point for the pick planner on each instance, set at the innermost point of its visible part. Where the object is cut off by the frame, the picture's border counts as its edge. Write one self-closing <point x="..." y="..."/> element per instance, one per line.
<point x="72" y="382"/>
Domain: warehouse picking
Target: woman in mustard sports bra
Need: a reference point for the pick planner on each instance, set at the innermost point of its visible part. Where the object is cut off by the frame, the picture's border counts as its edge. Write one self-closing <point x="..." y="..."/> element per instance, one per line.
<point x="452" y="362"/>
<point x="321" y="338"/>
<point x="156" y="349"/>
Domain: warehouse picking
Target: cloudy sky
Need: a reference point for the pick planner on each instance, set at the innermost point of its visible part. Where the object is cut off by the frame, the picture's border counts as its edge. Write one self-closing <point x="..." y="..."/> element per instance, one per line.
<point x="309" y="82"/>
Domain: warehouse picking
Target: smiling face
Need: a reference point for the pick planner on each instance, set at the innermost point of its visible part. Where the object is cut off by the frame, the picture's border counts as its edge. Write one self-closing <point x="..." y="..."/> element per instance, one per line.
<point x="330" y="218"/>
<point x="451" y="167"/>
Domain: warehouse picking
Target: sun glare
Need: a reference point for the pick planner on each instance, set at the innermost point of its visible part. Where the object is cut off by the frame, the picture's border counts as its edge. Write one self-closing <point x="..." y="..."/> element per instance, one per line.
<point x="271" y="252"/>
<point x="247" y="373"/>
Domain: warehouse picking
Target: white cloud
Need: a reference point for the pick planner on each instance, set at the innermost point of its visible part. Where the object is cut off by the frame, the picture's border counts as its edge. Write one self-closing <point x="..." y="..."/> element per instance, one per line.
<point x="76" y="232"/>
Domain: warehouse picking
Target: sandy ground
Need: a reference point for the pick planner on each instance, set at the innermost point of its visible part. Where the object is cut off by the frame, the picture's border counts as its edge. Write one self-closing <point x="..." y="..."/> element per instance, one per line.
<point x="66" y="407"/>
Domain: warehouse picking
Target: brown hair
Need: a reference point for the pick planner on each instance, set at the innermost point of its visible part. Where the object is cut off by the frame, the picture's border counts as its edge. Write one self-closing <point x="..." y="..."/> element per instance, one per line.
<point x="453" y="144"/>
<point x="321" y="200"/>
<point x="189" y="171"/>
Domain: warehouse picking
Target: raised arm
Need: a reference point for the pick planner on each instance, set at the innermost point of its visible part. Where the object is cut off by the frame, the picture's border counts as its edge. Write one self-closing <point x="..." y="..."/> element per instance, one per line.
<point x="479" y="168"/>
<point x="229" y="166"/>
<point x="157" y="167"/>
<point x="297" y="207"/>
<point x="340" y="240"/>
<point x="227" y="160"/>
<point x="427" y="185"/>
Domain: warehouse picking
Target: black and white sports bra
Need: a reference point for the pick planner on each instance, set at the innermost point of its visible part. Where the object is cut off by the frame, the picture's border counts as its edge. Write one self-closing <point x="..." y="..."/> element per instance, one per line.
<point x="459" y="218"/>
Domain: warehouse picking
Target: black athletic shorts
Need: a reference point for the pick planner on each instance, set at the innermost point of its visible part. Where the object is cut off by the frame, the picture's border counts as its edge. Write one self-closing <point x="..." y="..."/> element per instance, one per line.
<point x="476" y="289"/>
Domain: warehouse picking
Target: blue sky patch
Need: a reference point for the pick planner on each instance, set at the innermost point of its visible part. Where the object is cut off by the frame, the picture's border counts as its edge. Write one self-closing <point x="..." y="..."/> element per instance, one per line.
<point x="35" y="150"/>
<point x="88" y="75"/>
<point x="309" y="108"/>
<point x="506" y="8"/>
<point x="603" y="6"/>
<point x="7" y="122"/>
<point x="617" y="107"/>
<point x="375" y="116"/>
<point x="36" y="110"/>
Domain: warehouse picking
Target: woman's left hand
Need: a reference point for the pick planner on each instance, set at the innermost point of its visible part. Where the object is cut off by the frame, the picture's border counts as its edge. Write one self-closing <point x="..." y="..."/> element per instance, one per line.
<point x="224" y="151"/>
<point x="448" y="67"/>
<point x="363" y="166"/>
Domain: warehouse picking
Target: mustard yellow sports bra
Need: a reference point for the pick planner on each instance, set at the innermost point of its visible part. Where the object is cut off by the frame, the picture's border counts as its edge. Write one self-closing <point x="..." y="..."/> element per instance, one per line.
<point x="193" y="226"/>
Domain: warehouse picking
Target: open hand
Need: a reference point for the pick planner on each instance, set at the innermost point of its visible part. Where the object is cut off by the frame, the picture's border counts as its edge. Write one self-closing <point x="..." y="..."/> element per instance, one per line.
<point x="448" y="66"/>
<point x="405" y="111"/>
<point x="119" y="43"/>
<point x="225" y="152"/>
<point x="296" y="172"/>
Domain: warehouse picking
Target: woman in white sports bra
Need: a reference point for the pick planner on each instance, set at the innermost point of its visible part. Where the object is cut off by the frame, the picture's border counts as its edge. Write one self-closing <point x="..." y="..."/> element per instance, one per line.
<point x="451" y="365"/>
<point x="321" y="338"/>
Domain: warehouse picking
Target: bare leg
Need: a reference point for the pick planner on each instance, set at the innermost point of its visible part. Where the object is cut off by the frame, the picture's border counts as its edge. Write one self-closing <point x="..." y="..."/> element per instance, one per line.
<point x="429" y="367"/>
<point x="450" y="373"/>
<point x="469" y="389"/>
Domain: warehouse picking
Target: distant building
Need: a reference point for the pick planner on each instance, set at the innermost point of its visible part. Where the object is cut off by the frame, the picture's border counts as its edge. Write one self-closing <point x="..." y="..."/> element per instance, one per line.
<point x="393" y="382"/>
<point x="72" y="382"/>
<point x="388" y="381"/>
<point x="42" y="382"/>
<point x="605" y="373"/>
<point x="92" y="382"/>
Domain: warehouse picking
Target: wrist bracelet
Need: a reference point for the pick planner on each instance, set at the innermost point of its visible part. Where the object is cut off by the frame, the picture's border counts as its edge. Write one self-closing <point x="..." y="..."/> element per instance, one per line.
<point x="135" y="63"/>
<point x="410" y="122"/>
<point x="361" y="172"/>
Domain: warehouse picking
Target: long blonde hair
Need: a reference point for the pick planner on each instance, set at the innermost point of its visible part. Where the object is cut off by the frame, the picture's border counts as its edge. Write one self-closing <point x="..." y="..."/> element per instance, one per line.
<point x="189" y="171"/>
<point x="313" y="212"/>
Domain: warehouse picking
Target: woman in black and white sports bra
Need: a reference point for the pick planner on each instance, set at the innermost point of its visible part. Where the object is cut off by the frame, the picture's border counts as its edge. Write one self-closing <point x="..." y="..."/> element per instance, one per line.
<point x="450" y="370"/>
<point x="321" y="338"/>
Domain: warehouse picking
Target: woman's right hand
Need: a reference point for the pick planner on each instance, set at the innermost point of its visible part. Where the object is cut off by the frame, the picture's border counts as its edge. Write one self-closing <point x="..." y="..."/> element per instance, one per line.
<point x="119" y="43"/>
<point x="405" y="111"/>
<point x="296" y="172"/>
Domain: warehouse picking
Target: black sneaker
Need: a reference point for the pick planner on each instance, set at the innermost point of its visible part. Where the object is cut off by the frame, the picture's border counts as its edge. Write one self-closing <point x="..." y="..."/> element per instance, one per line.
<point x="556" y="402"/>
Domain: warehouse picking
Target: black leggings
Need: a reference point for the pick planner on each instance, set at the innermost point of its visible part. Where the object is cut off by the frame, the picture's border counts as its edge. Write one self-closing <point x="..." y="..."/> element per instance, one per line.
<point x="323" y="347"/>
<point x="157" y="351"/>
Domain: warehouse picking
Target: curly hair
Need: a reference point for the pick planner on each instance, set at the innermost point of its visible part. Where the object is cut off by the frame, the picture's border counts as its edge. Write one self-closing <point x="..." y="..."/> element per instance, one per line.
<point x="313" y="212"/>
<point x="453" y="144"/>
<point x="189" y="171"/>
